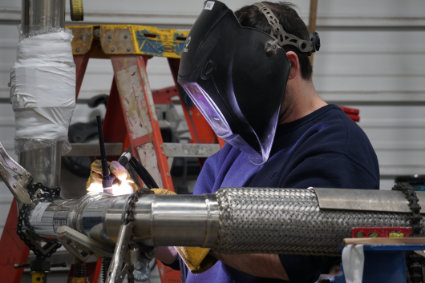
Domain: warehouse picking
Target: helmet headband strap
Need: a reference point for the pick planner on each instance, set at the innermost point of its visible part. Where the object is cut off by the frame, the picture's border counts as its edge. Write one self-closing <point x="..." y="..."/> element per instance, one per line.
<point x="282" y="37"/>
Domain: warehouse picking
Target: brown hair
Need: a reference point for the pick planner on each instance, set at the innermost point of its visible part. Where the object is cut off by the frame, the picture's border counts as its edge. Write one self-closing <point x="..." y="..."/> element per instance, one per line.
<point x="251" y="16"/>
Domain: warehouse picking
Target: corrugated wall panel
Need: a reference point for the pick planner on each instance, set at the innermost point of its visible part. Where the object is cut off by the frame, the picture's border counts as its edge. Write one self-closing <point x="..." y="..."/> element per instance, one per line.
<point x="333" y="13"/>
<point x="372" y="58"/>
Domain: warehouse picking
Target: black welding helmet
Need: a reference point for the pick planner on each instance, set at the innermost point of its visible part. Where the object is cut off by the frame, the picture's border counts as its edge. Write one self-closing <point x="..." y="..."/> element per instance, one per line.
<point x="236" y="76"/>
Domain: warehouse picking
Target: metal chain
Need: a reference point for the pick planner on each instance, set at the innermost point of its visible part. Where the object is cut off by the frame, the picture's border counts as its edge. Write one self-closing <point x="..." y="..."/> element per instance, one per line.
<point x="415" y="262"/>
<point x="128" y="217"/>
<point x="415" y="208"/>
<point x="38" y="193"/>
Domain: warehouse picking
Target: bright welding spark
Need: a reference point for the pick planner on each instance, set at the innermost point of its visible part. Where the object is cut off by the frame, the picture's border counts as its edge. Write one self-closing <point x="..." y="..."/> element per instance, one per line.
<point x="124" y="188"/>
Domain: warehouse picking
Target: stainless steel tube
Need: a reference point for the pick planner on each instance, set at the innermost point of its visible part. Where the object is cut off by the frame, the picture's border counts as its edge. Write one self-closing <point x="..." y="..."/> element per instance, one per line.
<point x="42" y="16"/>
<point x="46" y="217"/>
<point x="42" y="158"/>
<point x="159" y="219"/>
<point x="239" y="220"/>
<point x="182" y="220"/>
<point x="82" y="215"/>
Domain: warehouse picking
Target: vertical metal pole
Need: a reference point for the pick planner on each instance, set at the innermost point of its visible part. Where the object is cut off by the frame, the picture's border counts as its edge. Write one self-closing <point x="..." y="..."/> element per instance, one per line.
<point x="41" y="160"/>
<point x="42" y="16"/>
<point x="312" y="22"/>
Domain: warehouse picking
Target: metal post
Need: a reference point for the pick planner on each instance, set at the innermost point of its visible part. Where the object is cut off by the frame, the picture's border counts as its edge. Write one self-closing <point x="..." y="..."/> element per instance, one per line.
<point x="312" y="22"/>
<point x="42" y="158"/>
<point x="42" y="16"/>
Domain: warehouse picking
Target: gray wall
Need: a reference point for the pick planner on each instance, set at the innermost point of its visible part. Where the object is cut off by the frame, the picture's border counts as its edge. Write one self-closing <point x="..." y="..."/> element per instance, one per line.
<point x="372" y="58"/>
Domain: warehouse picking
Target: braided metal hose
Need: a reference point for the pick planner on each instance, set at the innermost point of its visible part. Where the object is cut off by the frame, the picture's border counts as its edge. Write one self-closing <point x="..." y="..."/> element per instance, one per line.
<point x="289" y="221"/>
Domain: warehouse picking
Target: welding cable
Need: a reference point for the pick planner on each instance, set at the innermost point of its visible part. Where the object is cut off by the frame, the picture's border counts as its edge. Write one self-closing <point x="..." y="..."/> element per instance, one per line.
<point x="106" y="179"/>
<point x="126" y="158"/>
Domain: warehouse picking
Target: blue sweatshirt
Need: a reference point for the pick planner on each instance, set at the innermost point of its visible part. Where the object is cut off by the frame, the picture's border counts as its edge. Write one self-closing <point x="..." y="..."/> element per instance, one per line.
<point x="322" y="149"/>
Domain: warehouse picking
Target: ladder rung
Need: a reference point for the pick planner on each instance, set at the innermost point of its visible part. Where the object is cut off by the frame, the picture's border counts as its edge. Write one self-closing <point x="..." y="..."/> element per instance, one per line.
<point x="170" y="149"/>
<point x="92" y="149"/>
<point x="189" y="149"/>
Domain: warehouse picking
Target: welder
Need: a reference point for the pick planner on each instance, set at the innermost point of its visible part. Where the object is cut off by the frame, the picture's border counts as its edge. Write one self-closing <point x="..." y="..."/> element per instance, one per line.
<point x="249" y="74"/>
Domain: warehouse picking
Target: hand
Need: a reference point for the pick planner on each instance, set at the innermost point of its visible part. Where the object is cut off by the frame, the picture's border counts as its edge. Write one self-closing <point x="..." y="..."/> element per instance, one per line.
<point x="122" y="183"/>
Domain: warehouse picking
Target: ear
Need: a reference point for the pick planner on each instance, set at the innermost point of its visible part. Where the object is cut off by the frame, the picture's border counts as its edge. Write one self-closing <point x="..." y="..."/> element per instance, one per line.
<point x="295" y="64"/>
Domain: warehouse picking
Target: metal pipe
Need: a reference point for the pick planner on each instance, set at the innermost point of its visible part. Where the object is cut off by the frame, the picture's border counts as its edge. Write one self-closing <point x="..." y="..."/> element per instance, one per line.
<point x="42" y="16"/>
<point x="288" y="221"/>
<point x="192" y="220"/>
<point x="40" y="157"/>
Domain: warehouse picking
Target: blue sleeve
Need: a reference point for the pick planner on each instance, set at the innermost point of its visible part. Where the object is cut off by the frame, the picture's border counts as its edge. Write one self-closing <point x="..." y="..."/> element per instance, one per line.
<point x="324" y="170"/>
<point x="214" y="170"/>
<point x="205" y="181"/>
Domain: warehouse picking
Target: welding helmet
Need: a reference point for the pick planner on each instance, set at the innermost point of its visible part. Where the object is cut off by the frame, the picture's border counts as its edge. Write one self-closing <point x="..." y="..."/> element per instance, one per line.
<point x="236" y="76"/>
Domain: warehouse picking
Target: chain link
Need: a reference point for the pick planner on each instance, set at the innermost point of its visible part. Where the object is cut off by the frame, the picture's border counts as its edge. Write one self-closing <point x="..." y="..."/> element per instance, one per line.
<point x="38" y="193"/>
<point x="415" y="262"/>
<point x="128" y="217"/>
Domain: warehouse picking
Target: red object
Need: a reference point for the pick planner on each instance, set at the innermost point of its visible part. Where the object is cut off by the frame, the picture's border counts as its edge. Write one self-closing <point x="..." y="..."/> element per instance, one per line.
<point x="353" y="113"/>
<point x="382" y="232"/>
<point x="12" y="249"/>
<point x="81" y="62"/>
<point x="164" y="95"/>
<point x="113" y="123"/>
<point x="167" y="274"/>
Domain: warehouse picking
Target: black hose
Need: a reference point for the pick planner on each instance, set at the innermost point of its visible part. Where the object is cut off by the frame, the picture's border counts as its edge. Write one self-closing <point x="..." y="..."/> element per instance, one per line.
<point x="126" y="158"/>
<point x="106" y="182"/>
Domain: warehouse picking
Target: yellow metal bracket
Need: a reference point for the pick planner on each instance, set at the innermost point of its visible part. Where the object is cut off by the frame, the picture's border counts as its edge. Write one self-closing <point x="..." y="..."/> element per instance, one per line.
<point x="82" y="40"/>
<point x="106" y="40"/>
